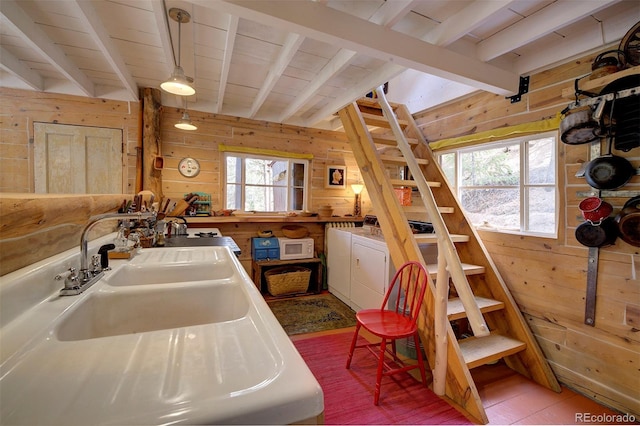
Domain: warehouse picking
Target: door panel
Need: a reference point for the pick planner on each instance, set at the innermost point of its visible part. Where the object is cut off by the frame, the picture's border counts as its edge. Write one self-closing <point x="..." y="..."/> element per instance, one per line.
<point x="77" y="159"/>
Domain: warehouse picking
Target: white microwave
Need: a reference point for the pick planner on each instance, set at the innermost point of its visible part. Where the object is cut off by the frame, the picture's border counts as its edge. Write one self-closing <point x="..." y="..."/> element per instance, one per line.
<point x="296" y="248"/>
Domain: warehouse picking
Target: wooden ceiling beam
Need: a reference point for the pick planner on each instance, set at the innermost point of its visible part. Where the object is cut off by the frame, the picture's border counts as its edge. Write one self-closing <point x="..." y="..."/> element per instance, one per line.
<point x="288" y="51"/>
<point x="13" y="65"/>
<point x="465" y="21"/>
<point x="334" y="27"/>
<point x="93" y="25"/>
<point x="230" y="40"/>
<point x="388" y="15"/>
<point x="21" y="23"/>
<point x="551" y="18"/>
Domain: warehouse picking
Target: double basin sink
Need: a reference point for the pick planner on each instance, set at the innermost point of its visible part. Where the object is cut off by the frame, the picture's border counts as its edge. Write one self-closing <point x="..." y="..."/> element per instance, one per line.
<point x="150" y="294"/>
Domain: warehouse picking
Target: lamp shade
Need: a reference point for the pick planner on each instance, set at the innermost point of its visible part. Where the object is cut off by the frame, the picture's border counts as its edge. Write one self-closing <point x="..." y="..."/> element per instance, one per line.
<point x="185" y="122"/>
<point x="357" y="188"/>
<point x="178" y="83"/>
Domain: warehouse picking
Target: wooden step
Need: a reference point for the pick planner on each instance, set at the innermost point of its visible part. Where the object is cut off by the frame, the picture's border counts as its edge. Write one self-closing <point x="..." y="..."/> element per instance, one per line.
<point x="478" y="351"/>
<point x="412" y="183"/>
<point x="422" y="209"/>
<point x="433" y="238"/>
<point x="455" y="309"/>
<point x="380" y="121"/>
<point x="373" y="103"/>
<point x="400" y="160"/>
<point x="468" y="269"/>
<point x="389" y="141"/>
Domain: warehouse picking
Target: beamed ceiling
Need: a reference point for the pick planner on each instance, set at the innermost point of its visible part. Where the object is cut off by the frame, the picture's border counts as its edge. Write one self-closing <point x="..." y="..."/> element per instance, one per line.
<point x="299" y="61"/>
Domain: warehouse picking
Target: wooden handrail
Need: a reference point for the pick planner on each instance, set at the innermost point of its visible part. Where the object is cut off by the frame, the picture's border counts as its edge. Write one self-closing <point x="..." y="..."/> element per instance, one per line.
<point x="454" y="265"/>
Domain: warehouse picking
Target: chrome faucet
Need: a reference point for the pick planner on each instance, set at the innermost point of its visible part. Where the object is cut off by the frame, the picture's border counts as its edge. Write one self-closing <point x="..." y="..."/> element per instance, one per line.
<point x="76" y="284"/>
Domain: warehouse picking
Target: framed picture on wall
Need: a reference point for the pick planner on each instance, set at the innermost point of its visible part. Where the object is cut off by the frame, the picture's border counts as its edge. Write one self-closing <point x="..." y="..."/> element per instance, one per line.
<point x="336" y="177"/>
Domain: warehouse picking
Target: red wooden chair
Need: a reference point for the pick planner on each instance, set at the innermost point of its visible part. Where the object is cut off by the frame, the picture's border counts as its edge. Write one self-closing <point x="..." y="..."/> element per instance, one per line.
<point x="395" y="320"/>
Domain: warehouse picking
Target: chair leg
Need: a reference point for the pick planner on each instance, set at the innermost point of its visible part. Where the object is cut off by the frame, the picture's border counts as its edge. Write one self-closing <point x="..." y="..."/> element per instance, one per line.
<point x="416" y="339"/>
<point x="383" y="347"/>
<point x="353" y="345"/>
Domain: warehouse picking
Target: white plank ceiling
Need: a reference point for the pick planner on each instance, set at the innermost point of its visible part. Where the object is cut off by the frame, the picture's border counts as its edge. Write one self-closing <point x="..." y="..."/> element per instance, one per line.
<point x="299" y="61"/>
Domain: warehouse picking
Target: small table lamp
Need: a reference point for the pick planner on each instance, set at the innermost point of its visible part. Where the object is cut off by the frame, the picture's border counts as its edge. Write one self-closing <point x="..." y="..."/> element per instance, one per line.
<point x="357" y="207"/>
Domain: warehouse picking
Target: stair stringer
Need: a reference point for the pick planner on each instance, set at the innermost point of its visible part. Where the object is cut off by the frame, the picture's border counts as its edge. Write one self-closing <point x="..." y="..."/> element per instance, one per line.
<point x="530" y="362"/>
<point x="460" y="387"/>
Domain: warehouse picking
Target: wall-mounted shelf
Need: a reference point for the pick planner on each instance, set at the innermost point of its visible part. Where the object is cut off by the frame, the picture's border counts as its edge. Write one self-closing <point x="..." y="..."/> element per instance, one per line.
<point x="597" y="84"/>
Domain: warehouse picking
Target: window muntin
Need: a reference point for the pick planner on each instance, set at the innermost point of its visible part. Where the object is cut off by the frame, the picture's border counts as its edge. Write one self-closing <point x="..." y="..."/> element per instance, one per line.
<point x="265" y="184"/>
<point x="507" y="186"/>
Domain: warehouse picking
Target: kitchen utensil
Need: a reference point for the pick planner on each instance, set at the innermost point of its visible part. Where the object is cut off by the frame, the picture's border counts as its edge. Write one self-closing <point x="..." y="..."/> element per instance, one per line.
<point x="579" y="127"/>
<point x="601" y="235"/>
<point x="628" y="221"/>
<point x="609" y="171"/>
<point x="606" y="63"/>
<point x="594" y="209"/>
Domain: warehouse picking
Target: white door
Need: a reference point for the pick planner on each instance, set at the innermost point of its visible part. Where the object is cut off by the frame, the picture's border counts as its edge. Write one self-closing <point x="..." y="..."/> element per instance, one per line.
<point x="78" y="159"/>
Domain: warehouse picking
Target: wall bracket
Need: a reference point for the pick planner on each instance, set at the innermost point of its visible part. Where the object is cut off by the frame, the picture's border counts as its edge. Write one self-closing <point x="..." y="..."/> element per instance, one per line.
<point x="522" y="89"/>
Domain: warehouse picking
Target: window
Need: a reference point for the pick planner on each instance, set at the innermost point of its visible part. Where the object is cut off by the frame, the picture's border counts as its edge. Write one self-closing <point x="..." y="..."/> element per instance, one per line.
<point x="265" y="184"/>
<point x="508" y="186"/>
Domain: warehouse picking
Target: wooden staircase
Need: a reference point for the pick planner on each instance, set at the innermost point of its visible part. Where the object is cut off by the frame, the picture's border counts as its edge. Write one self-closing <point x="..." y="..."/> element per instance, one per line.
<point x="467" y="285"/>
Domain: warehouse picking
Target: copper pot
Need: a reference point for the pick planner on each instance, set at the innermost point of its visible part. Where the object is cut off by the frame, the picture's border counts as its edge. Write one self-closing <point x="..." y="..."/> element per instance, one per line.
<point x="628" y="221"/>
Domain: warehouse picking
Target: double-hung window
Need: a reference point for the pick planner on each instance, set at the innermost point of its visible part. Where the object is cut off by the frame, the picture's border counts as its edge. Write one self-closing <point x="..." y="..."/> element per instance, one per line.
<point x="507" y="186"/>
<point x="265" y="183"/>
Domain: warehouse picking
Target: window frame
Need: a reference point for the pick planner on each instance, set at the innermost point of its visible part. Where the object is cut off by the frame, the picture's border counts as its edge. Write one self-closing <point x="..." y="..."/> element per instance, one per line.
<point x="523" y="187"/>
<point x="291" y="161"/>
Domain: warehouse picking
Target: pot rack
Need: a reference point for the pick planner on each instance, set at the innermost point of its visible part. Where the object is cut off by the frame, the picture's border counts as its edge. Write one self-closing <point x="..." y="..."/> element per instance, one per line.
<point x="588" y="100"/>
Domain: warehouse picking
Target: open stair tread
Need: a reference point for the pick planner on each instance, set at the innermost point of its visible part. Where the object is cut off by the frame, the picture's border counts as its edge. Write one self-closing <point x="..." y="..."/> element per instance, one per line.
<point x="433" y="238"/>
<point x="380" y="120"/>
<point x="373" y="103"/>
<point x="384" y="140"/>
<point x="478" y="351"/>
<point x="468" y="269"/>
<point x="423" y="209"/>
<point x="455" y="308"/>
<point x="400" y="160"/>
<point x="412" y="183"/>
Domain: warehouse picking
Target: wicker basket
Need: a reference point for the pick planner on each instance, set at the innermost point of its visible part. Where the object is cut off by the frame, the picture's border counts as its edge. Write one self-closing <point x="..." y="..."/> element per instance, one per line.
<point x="294" y="231"/>
<point x="287" y="280"/>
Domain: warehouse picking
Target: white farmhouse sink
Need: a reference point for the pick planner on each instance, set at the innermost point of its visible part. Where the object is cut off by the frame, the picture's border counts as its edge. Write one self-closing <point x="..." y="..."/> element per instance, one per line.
<point x="104" y="314"/>
<point x="143" y="274"/>
<point x="176" y="335"/>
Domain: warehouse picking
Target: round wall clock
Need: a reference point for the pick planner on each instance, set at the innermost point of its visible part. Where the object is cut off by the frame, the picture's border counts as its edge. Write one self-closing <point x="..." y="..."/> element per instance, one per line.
<point x="189" y="167"/>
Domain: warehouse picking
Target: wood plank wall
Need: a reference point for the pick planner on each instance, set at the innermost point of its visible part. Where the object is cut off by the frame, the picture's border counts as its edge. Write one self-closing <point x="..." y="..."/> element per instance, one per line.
<point x="327" y="148"/>
<point x="548" y="276"/>
<point x="19" y="109"/>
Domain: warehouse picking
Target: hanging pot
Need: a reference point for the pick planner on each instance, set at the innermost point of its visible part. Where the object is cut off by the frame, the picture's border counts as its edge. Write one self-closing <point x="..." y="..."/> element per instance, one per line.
<point x="609" y="171"/>
<point x="628" y="221"/>
<point x="579" y="126"/>
<point x="606" y="63"/>
<point x="601" y="235"/>
<point x="595" y="209"/>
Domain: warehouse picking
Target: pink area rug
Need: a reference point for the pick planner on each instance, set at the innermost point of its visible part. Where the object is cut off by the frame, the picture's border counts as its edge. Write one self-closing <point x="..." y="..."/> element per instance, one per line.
<point x="348" y="394"/>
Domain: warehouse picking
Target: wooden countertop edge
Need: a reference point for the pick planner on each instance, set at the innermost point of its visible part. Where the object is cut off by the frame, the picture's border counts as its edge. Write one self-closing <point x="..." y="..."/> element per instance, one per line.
<point x="209" y="220"/>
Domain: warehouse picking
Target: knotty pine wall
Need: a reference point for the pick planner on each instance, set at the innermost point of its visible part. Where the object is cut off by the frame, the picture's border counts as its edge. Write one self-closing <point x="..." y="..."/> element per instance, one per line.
<point x="34" y="227"/>
<point x="327" y="148"/>
<point x="548" y="276"/>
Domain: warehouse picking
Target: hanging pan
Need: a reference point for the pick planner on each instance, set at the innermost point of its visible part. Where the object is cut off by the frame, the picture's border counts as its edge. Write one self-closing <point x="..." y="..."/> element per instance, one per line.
<point x="601" y="235"/>
<point x="609" y="171"/>
<point x="628" y="221"/>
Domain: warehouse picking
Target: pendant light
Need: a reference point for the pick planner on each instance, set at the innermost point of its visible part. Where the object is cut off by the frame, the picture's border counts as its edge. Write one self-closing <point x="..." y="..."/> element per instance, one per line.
<point x="185" y="122"/>
<point x="178" y="83"/>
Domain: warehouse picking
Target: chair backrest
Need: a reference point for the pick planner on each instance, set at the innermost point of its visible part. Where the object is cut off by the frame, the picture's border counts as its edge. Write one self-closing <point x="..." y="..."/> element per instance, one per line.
<point x="406" y="290"/>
